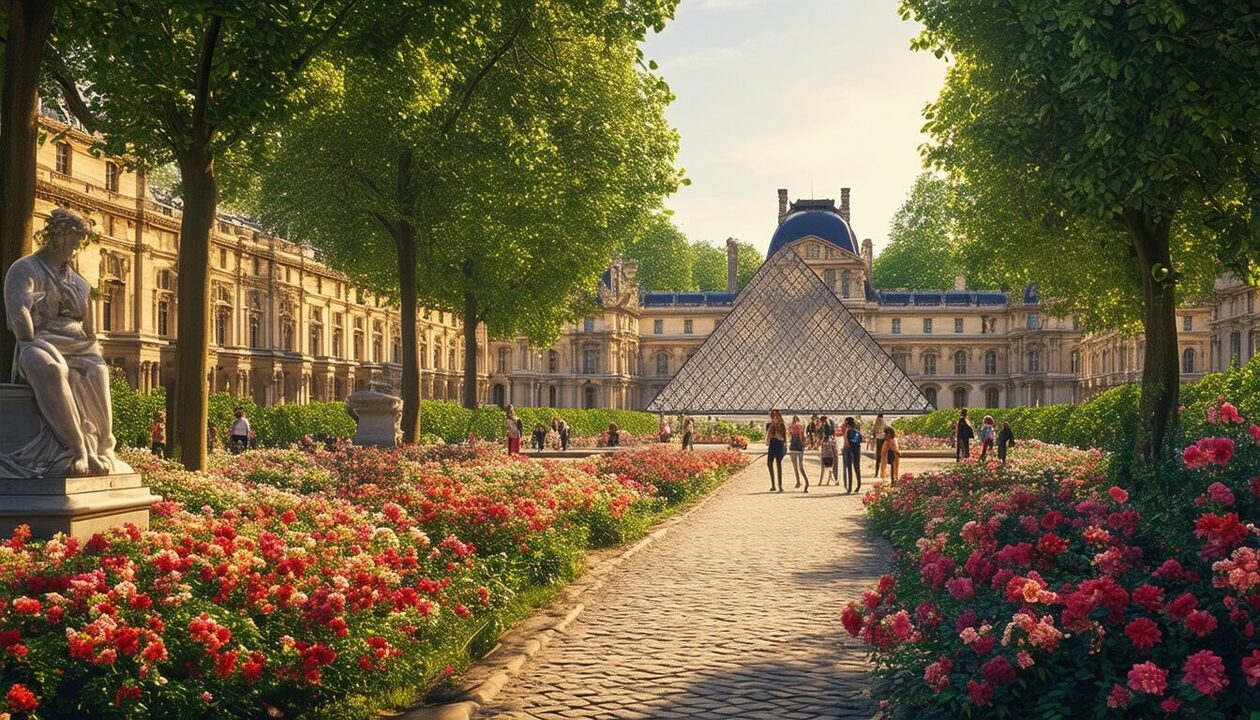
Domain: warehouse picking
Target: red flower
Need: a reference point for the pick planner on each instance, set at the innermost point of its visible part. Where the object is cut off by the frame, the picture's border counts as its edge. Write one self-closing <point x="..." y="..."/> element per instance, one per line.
<point x="1251" y="664"/>
<point x="1118" y="697"/>
<point x="1182" y="605"/>
<point x="1148" y="678"/>
<point x="1254" y="429"/>
<point x="1143" y="633"/>
<point x="1221" y="494"/>
<point x="1200" y="622"/>
<point x="998" y="671"/>
<point x="1149" y="597"/>
<point x="1205" y="672"/>
<point x="981" y="693"/>
<point x="937" y="674"/>
<point x="1118" y="494"/>
<point x="852" y="619"/>
<point x="21" y="698"/>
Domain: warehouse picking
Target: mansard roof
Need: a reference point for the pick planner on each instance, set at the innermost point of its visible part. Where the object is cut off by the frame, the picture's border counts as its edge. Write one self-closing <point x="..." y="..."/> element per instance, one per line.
<point x="811" y="217"/>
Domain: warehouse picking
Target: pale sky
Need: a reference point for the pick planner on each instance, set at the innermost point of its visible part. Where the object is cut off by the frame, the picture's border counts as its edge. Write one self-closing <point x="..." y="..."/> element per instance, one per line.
<point x="797" y="94"/>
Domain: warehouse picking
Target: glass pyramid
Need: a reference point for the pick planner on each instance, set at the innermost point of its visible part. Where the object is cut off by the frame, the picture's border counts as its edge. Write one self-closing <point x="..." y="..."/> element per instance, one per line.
<point x="789" y="343"/>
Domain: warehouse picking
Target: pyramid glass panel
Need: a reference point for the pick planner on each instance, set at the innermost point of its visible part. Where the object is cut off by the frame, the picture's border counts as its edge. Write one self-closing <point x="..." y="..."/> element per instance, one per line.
<point x="789" y="343"/>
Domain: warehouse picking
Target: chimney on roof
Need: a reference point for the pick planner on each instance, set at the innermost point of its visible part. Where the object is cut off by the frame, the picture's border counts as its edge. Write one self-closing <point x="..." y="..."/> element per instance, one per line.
<point x="868" y="256"/>
<point x="844" y="204"/>
<point x="783" y="203"/>
<point x="960" y="282"/>
<point x="732" y="263"/>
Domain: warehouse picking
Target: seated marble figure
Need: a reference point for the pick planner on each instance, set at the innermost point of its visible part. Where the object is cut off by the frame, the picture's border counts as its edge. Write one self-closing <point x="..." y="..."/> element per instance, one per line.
<point x="47" y="307"/>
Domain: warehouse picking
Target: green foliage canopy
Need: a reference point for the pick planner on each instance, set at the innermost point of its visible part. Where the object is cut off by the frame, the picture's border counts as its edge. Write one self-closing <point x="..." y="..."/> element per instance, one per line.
<point x="920" y="251"/>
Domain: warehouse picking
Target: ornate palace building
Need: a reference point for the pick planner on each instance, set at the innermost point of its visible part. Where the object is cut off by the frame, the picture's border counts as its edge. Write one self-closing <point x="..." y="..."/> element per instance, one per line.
<point x="287" y="329"/>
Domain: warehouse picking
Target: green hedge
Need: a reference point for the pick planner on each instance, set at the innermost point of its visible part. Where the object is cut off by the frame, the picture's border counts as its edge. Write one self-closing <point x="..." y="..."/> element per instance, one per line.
<point x="1108" y="421"/>
<point x="286" y="424"/>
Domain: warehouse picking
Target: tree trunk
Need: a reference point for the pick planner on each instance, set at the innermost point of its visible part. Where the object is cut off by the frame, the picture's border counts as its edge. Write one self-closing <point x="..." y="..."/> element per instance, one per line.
<point x="405" y="244"/>
<point x="1161" y="376"/>
<point x="29" y="24"/>
<point x="192" y="348"/>
<point x="469" y="398"/>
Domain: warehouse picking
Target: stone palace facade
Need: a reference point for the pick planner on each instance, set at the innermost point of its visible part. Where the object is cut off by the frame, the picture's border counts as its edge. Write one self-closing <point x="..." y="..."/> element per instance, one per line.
<point x="286" y="328"/>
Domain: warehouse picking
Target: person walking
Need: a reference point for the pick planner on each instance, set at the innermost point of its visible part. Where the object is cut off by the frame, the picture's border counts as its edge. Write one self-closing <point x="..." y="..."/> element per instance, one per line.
<point x="892" y="454"/>
<point x="1005" y="439"/>
<point x="238" y="436"/>
<point x="811" y="433"/>
<point x="157" y="434"/>
<point x="988" y="433"/>
<point x="830" y="463"/>
<point x="513" y="430"/>
<point x="776" y="437"/>
<point x="963" y="433"/>
<point x="851" y="454"/>
<point x="563" y="431"/>
<point x="877" y="434"/>
<point x="688" y="434"/>
<point x="796" y="448"/>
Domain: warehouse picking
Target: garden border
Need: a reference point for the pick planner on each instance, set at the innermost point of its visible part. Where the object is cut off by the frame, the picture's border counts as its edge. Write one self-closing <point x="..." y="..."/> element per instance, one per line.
<point x="487" y="677"/>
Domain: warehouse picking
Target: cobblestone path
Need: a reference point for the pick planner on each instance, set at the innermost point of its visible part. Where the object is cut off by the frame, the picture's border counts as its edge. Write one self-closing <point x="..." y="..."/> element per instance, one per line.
<point x="732" y="614"/>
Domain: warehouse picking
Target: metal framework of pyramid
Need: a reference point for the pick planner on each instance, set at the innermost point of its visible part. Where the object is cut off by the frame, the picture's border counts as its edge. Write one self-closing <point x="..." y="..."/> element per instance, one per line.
<point x="789" y="343"/>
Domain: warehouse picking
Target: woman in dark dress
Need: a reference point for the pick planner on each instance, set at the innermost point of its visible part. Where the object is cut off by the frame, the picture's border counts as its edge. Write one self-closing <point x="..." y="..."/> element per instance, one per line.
<point x="776" y="437"/>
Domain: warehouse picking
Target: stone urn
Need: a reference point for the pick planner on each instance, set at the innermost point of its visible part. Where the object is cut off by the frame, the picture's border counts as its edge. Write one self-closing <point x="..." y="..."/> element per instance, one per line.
<point x="377" y="414"/>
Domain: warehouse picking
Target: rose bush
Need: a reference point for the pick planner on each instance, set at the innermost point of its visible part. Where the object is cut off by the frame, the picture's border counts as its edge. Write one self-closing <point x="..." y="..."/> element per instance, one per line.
<point x="284" y="584"/>
<point x="1040" y="589"/>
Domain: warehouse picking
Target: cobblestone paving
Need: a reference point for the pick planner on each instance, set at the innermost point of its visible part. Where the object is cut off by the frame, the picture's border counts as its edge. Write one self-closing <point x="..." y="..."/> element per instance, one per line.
<point x="732" y="614"/>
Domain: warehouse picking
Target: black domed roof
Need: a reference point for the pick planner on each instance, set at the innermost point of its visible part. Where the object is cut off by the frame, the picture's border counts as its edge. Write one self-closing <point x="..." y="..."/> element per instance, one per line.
<point x="826" y="225"/>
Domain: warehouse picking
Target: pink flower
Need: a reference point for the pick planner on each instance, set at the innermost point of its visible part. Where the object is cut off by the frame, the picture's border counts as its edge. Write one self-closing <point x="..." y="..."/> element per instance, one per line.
<point x="1221" y="494"/>
<point x="1200" y="622"/>
<point x="1254" y="431"/>
<point x="1251" y="667"/>
<point x="998" y="671"/>
<point x="1143" y="633"/>
<point x="1170" y="705"/>
<point x="981" y="693"/>
<point x="1148" y="678"/>
<point x="1229" y="414"/>
<point x="1208" y="451"/>
<point x="937" y="674"/>
<point x="1205" y="672"/>
<point x="1119" y="495"/>
<point x="1118" y="697"/>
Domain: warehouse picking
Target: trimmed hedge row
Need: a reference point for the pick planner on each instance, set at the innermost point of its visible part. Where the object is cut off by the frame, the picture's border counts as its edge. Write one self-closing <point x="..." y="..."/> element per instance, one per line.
<point x="1108" y="421"/>
<point x="286" y="424"/>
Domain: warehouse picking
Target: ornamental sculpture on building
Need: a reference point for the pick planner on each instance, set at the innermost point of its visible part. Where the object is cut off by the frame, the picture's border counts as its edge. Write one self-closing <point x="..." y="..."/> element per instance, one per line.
<point x="59" y="358"/>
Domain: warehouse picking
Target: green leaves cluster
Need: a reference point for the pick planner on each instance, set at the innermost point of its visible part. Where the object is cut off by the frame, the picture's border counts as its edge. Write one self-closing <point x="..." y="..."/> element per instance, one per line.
<point x="920" y="253"/>
<point x="669" y="262"/>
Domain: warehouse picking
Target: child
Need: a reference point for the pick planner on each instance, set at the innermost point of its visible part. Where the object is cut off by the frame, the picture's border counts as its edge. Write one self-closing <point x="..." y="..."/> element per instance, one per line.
<point x="827" y="454"/>
<point x="987" y="435"/>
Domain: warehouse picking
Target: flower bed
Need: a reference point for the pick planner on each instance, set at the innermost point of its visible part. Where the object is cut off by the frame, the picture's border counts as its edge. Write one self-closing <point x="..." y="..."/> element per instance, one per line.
<point x="1036" y="589"/>
<point x="315" y="585"/>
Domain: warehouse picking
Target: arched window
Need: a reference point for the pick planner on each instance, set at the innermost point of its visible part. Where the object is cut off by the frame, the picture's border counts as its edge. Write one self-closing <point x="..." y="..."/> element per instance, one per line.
<point x="990" y="363"/>
<point x="1187" y="361"/>
<point x="992" y="398"/>
<point x="553" y="362"/>
<point x="588" y="397"/>
<point x="930" y="394"/>
<point x="499" y="395"/>
<point x="662" y="364"/>
<point x="960" y="363"/>
<point x="846" y="282"/>
<point x="255" y="331"/>
<point x="503" y="357"/>
<point x="929" y="364"/>
<point x="960" y="397"/>
<point x="1034" y="361"/>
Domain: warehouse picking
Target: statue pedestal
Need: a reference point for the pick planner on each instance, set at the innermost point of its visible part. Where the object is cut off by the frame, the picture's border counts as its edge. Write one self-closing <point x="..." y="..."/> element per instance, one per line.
<point x="377" y="415"/>
<point x="77" y="506"/>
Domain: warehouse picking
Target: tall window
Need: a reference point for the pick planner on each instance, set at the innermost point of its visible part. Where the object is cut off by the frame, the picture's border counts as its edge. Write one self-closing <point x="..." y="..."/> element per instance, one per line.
<point x="1187" y="323"/>
<point x="1034" y="361"/>
<point x="63" y="158"/>
<point x="960" y="397"/>
<point x="553" y="361"/>
<point x="1187" y="360"/>
<point x="255" y="331"/>
<point x="930" y="394"/>
<point x="990" y="363"/>
<point x="589" y="361"/>
<point x="163" y="317"/>
<point x="958" y="325"/>
<point x="499" y="395"/>
<point x="662" y="364"/>
<point x="588" y="325"/>
<point x="107" y="309"/>
<point x="901" y="359"/>
<point x="829" y="279"/>
<point x="927" y="326"/>
<point x="896" y="326"/>
<point x="502" y="364"/>
<point x="688" y="326"/>
<point x="1034" y="321"/>
<point x="929" y="364"/>
<point x="437" y="358"/>
<point x="992" y="398"/>
<point x="313" y="348"/>
<point x="1235" y="347"/>
<point x="111" y="176"/>
<point x="846" y="283"/>
<point x="336" y="342"/>
<point x="588" y="397"/>
<point x="221" y="328"/>
<point x="658" y="327"/>
<point x="960" y="363"/>
<point x="551" y="396"/>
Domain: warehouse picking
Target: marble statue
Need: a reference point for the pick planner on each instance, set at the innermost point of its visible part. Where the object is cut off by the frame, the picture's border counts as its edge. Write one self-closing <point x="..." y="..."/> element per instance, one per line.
<point x="58" y="357"/>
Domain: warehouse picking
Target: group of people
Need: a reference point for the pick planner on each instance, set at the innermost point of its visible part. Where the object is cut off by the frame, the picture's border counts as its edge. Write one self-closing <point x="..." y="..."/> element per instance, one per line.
<point x="837" y="448"/>
<point x="665" y="431"/>
<point x="990" y="437"/>
<point x="240" y="438"/>
<point x="555" y="437"/>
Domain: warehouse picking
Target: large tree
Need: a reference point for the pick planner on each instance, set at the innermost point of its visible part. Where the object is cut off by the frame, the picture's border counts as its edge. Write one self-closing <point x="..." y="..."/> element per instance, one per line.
<point x="1118" y="135"/>
<point x="489" y="172"/>
<point x="191" y="82"/>
<point x="666" y="261"/>
<point x="920" y="250"/>
<point x="27" y="25"/>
